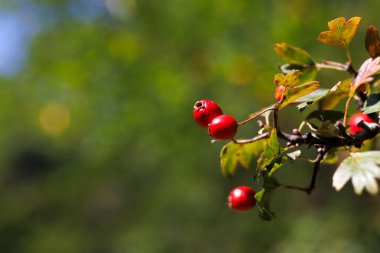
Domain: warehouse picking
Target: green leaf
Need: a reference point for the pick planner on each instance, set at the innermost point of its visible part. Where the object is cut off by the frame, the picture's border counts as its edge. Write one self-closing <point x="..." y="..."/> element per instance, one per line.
<point x="336" y="94"/>
<point x="264" y="197"/>
<point x="329" y="97"/>
<point x="233" y="154"/>
<point x="276" y="164"/>
<point x="228" y="159"/>
<point x="291" y="79"/>
<point x="372" y="42"/>
<point x="293" y="94"/>
<point x="265" y="212"/>
<point x="363" y="168"/>
<point x="271" y="150"/>
<point x="372" y="100"/>
<point x="324" y="115"/>
<point x="293" y="55"/>
<point x="341" y="32"/>
<point x="250" y="150"/>
<point x="280" y="160"/>
<point x="311" y="98"/>
<point x="372" y="108"/>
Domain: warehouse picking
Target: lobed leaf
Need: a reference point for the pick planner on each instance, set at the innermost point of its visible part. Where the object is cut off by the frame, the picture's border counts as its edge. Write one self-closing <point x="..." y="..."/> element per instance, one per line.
<point x="293" y="55"/>
<point x="233" y="154"/>
<point x="341" y="31"/>
<point x="362" y="168"/>
<point x="293" y="94"/>
<point x="308" y="73"/>
<point x="365" y="73"/>
<point x="291" y="79"/>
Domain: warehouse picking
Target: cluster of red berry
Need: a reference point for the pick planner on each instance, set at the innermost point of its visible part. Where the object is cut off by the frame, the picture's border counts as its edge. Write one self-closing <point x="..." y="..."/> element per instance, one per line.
<point x="209" y="115"/>
<point x="223" y="127"/>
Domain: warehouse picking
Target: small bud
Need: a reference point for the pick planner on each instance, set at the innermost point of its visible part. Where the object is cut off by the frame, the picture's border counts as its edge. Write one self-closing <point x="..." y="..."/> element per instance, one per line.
<point x="296" y="131"/>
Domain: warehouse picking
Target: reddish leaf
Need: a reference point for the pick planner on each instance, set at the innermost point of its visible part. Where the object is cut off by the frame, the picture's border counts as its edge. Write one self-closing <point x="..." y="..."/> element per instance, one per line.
<point x="365" y="73"/>
<point x="372" y="42"/>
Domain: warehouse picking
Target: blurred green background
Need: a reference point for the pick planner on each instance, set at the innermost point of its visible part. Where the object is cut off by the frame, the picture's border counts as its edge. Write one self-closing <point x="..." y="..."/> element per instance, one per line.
<point x="100" y="152"/>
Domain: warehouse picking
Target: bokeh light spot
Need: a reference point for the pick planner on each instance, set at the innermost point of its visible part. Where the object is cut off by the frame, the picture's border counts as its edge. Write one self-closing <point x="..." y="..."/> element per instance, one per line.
<point x="54" y="118"/>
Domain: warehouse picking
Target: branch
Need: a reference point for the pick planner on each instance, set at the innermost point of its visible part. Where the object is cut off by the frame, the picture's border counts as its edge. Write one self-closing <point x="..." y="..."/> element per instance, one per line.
<point x="337" y="66"/>
<point x="321" y="154"/>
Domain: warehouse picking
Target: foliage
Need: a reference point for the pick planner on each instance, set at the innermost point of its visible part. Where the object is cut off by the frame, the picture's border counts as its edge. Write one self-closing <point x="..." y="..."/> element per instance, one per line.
<point x="131" y="171"/>
<point x="329" y="134"/>
<point x="363" y="168"/>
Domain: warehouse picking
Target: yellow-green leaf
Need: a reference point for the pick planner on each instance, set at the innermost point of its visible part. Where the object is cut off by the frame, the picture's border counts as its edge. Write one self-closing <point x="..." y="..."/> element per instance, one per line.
<point x="233" y="154"/>
<point x="293" y="94"/>
<point x="250" y="150"/>
<point x="336" y="94"/>
<point x="308" y="72"/>
<point x="228" y="159"/>
<point x="264" y="197"/>
<point x="291" y="79"/>
<point x="271" y="150"/>
<point x="293" y="55"/>
<point x="341" y="31"/>
<point x="372" y="108"/>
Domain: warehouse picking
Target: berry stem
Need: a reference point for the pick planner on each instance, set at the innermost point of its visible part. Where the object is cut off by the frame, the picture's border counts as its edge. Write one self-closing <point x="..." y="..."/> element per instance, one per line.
<point x="346" y="111"/>
<point x="256" y="138"/>
<point x="348" y="53"/>
<point x="254" y="116"/>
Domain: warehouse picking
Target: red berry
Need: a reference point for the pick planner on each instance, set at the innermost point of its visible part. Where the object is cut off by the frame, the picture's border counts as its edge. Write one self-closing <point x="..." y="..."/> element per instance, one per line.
<point x="205" y="111"/>
<point x="356" y="119"/>
<point x="223" y="127"/>
<point x="242" y="198"/>
<point x="279" y="92"/>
